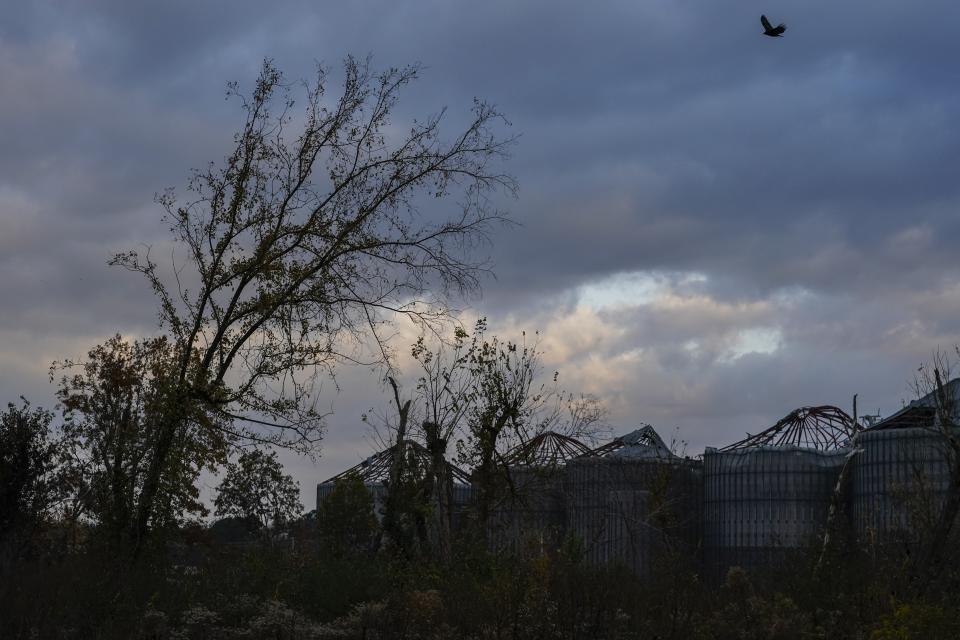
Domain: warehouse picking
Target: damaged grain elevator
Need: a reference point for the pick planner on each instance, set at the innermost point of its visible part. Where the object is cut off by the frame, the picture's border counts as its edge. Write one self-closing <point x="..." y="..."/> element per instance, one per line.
<point x="633" y="498"/>
<point x="769" y="495"/>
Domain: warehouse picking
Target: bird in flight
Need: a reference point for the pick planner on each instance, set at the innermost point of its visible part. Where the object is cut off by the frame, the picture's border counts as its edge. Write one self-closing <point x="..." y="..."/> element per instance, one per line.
<point x="770" y="30"/>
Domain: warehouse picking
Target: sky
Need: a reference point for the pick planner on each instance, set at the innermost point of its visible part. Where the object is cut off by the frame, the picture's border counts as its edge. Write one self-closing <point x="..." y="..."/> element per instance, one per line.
<point x="714" y="227"/>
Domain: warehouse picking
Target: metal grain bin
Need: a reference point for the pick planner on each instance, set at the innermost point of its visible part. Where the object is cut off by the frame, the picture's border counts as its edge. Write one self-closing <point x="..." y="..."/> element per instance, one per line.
<point x="769" y="495"/>
<point x="460" y="508"/>
<point x="530" y="512"/>
<point x="900" y="477"/>
<point x="630" y="497"/>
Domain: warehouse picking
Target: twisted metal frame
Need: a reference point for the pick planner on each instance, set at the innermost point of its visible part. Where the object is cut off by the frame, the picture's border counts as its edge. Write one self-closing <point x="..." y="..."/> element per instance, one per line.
<point x="376" y="468"/>
<point x="645" y="436"/>
<point x="824" y="427"/>
<point x="549" y="449"/>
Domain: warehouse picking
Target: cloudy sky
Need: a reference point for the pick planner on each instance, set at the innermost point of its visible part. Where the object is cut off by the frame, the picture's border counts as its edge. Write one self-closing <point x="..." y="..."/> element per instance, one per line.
<point x="716" y="227"/>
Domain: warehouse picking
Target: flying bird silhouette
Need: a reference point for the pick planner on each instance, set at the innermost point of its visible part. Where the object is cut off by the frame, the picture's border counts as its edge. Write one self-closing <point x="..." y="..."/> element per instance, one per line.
<point x="770" y="30"/>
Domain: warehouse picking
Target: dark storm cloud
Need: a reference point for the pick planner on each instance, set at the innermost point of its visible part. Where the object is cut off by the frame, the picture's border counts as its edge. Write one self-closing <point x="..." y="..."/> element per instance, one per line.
<point x="80" y="164"/>
<point x="808" y="183"/>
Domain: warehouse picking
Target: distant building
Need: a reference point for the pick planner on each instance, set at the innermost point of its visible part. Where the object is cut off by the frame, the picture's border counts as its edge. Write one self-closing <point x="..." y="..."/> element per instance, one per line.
<point x="752" y="503"/>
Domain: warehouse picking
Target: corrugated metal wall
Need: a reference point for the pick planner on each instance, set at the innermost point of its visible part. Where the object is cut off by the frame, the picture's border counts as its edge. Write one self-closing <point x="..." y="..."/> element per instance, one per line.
<point x="460" y="509"/>
<point x="531" y="512"/>
<point x="631" y="540"/>
<point x="760" y="502"/>
<point x="323" y="490"/>
<point x="899" y="482"/>
<point x="622" y="508"/>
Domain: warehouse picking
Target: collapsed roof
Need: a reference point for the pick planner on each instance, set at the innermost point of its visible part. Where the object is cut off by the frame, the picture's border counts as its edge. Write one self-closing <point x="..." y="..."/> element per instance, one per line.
<point x="549" y="449"/>
<point x="644" y="442"/>
<point x="909" y="417"/>
<point x="825" y="427"/>
<point x="923" y="412"/>
<point x="951" y="391"/>
<point x="376" y="468"/>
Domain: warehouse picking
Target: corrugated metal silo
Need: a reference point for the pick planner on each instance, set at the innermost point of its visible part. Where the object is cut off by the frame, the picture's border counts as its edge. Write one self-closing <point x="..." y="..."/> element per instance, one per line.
<point x="770" y="494"/>
<point x="901" y="476"/>
<point x="531" y="510"/>
<point x="629" y="497"/>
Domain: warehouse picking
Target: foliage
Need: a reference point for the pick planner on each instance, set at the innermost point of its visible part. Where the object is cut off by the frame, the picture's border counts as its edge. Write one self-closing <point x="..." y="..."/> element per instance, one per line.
<point x="235" y="529"/>
<point x="113" y="404"/>
<point x="256" y="488"/>
<point x="746" y="614"/>
<point x="346" y="522"/>
<point x="508" y="402"/>
<point x="262" y="590"/>
<point x="29" y="487"/>
<point x="917" y="620"/>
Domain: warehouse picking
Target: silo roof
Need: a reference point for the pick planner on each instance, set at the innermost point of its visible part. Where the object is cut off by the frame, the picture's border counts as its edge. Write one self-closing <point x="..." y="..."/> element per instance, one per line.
<point x="644" y="442"/>
<point x="376" y="468"/>
<point x="951" y="390"/>
<point x="922" y="412"/>
<point x="908" y="417"/>
<point x="546" y="450"/>
<point x="823" y="427"/>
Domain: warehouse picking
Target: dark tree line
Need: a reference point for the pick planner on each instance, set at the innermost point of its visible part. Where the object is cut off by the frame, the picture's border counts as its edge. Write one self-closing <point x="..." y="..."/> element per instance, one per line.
<point x="28" y="476"/>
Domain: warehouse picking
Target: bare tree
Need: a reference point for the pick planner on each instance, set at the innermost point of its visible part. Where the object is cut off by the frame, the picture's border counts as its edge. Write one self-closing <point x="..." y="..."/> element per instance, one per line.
<point x="432" y="414"/>
<point x="392" y="516"/>
<point x="305" y="241"/>
<point x="931" y="382"/>
<point x="446" y="391"/>
<point x="486" y="395"/>
<point x="508" y="396"/>
<point x="482" y="392"/>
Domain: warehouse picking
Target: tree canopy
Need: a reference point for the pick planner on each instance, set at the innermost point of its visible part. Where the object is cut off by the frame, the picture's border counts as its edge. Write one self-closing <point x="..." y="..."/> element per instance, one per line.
<point x="256" y="488"/>
<point x="302" y="244"/>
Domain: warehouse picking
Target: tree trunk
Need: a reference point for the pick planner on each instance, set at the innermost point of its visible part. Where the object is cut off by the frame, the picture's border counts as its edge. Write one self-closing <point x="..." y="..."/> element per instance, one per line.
<point x="486" y="473"/>
<point x="167" y="427"/>
<point x="391" y="515"/>
<point x="438" y="488"/>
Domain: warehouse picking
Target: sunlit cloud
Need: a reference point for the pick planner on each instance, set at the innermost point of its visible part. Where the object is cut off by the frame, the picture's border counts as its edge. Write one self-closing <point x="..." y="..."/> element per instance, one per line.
<point x="759" y="340"/>
<point x="634" y="289"/>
